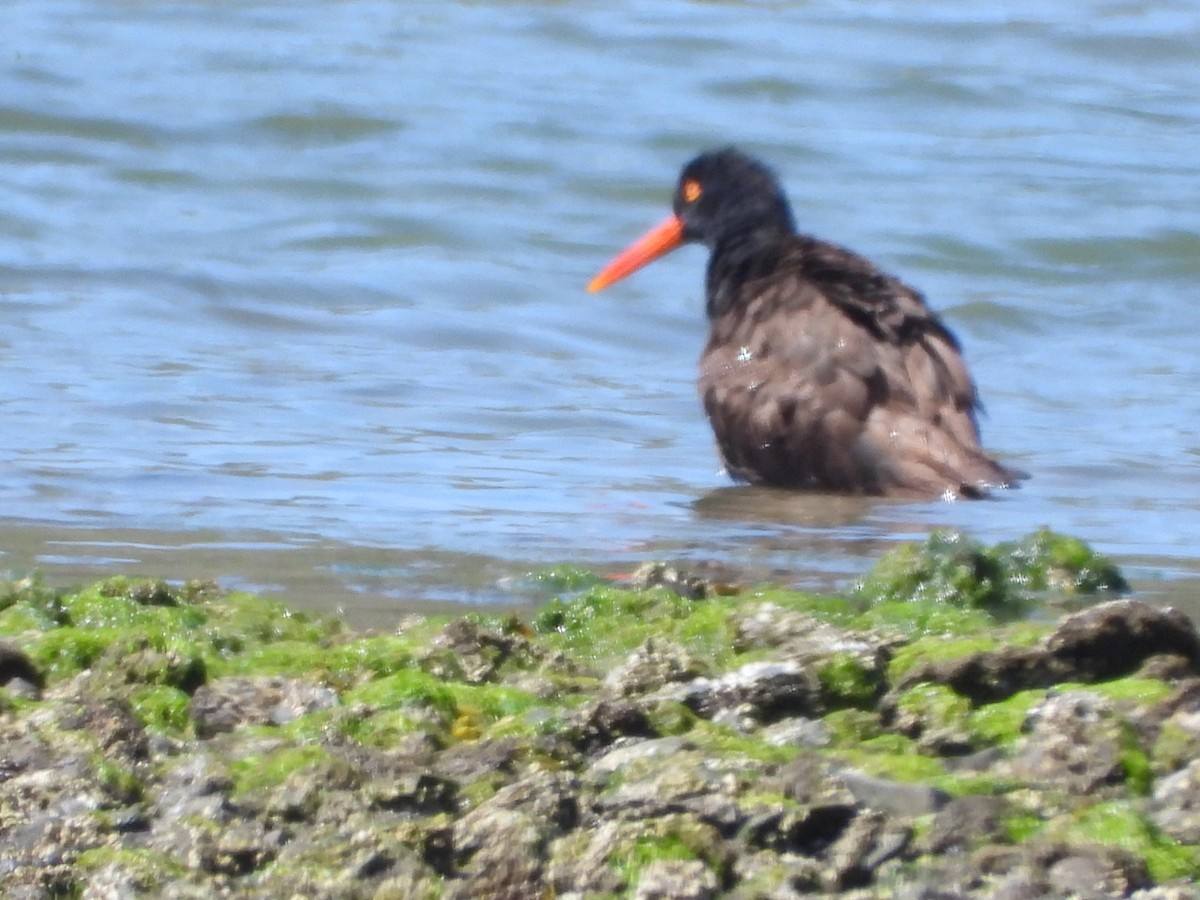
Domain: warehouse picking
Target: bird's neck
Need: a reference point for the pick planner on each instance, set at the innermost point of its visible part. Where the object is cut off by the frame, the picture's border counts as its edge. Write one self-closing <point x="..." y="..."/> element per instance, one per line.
<point x="737" y="258"/>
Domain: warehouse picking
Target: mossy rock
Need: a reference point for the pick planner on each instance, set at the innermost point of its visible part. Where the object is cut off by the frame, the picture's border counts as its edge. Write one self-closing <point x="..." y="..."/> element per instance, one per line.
<point x="948" y="568"/>
<point x="1006" y="580"/>
<point x="1121" y="824"/>
<point x="1046" y="561"/>
<point x="604" y="623"/>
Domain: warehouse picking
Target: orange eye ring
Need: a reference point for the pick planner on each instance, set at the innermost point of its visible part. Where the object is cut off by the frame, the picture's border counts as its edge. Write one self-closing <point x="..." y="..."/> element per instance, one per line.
<point x="691" y="190"/>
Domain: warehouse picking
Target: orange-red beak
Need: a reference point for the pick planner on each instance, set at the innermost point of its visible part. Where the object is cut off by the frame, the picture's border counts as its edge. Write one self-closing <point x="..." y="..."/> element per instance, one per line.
<point x="658" y="241"/>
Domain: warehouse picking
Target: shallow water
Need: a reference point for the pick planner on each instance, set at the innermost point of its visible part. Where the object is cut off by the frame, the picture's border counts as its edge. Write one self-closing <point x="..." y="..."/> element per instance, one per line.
<point x="292" y="293"/>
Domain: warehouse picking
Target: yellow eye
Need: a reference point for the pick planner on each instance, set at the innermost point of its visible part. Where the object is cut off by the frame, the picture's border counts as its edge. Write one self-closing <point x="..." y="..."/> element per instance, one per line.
<point x="691" y="190"/>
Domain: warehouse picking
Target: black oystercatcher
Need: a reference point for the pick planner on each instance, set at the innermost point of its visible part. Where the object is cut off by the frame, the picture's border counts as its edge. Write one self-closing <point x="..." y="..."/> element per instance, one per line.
<point x="820" y="370"/>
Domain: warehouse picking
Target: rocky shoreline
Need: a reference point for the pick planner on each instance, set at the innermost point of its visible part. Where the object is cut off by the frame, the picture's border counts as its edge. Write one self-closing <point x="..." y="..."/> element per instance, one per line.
<point x="966" y="722"/>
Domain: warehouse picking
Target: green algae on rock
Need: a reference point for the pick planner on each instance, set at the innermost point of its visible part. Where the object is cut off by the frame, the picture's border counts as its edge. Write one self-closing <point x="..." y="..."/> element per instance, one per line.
<point x="664" y="739"/>
<point x="1005" y="580"/>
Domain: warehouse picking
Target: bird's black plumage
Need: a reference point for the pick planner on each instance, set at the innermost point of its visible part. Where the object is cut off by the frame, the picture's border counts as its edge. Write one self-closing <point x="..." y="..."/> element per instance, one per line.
<point x="820" y="370"/>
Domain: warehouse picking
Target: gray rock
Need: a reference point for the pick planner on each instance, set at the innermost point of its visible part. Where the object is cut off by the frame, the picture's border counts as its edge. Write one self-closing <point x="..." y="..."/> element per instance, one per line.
<point x="1074" y="740"/>
<point x="967" y="821"/>
<point x="601" y="722"/>
<point x="761" y="692"/>
<point x="775" y="876"/>
<point x="869" y="841"/>
<point x="477" y="652"/>
<point x="678" y="784"/>
<point x="499" y="852"/>
<point x="227" y="704"/>
<point x="1175" y="805"/>
<point x="626" y="755"/>
<point x="1168" y="892"/>
<point x="676" y="879"/>
<point x="1095" y="873"/>
<point x="1113" y="639"/>
<point x="796" y="732"/>
<point x="578" y="861"/>
<point x="658" y="574"/>
<point x="655" y="663"/>
<point x="898" y="798"/>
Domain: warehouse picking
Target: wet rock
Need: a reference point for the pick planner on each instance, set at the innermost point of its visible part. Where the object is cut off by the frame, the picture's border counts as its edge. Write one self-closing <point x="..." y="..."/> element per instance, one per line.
<point x="796" y="732"/>
<point x="143" y="592"/>
<point x="1176" y="891"/>
<point x="234" y="847"/>
<point x="110" y="722"/>
<point x="412" y="792"/>
<point x="1176" y="741"/>
<point x="967" y="821"/>
<point x="777" y="876"/>
<point x="138" y="662"/>
<point x="988" y="676"/>
<point x="497" y="763"/>
<point x="627" y="755"/>
<point x="470" y="761"/>
<point x="1175" y="805"/>
<point x="551" y="798"/>
<point x="655" y="663"/>
<point x="1166" y="667"/>
<point x="657" y="574"/>
<point x="670" y="785"/>
<point x="1100" y="643"/>
<point x="35" y="891"/>
<point x="112" y="882"/>
<point x="1052" y="870"/>
<point x="934" y="715"/>
<point x="1093" y="872"/>
<point x="410" y="884"/>
<point x="499" y="846"/>
<point x="358" y="857"/>
<point x="1115" y="638"/>
<point x="579" y="859"/>
<point x="896" y="797"/>
<point x="1171" y="726"/>
<point x="227" y="704"/>
<point x="757" y="693"/>
<point x="984" y="760"/>
<point x="499" y="855"/>
<point x="764" y="626"/>
<point x="197" y="787"/>
<point x="48" y="839"/>
<point x="601" y="722"/>
<point x="237" y="849"/>
<point x="812" y="781"/>
<point x="867" y="842"/>
<point x="676" y="879"/>
<point x="23" y="751"/>
<point x="803" y="637"/>
<point x="808" y="832"/>
<point x="1074" y="741"/>
<point x="480" y="652"/>
<point x="928" y="892"/>
<point x="850" y="666"/>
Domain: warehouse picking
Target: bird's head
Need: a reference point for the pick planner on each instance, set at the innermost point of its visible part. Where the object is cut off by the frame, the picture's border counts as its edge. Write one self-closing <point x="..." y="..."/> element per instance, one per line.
<point x="721" y="194"/>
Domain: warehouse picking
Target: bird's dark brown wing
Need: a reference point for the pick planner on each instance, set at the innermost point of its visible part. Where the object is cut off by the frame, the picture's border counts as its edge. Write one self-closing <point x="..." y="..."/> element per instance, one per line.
<point x="830" y="373"/>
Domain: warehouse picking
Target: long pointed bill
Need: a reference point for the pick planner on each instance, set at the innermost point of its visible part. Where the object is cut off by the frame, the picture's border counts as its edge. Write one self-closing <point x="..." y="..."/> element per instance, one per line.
<point x="658" y="241"/>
